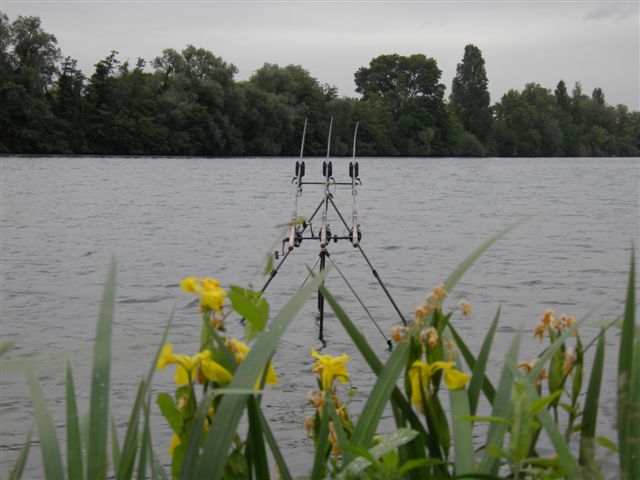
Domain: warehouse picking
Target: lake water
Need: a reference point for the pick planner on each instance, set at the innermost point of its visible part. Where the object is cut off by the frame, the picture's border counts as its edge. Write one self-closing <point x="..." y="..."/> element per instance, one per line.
<point x="63" y="219"/>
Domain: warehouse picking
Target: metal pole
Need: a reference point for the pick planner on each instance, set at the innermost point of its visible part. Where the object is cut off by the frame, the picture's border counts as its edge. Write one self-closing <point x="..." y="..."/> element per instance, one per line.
<point x="323" y="255"/>
<point x="373" y="270"/>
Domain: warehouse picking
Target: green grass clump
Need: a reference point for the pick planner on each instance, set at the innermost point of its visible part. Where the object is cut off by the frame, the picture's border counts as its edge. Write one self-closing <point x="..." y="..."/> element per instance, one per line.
<point x="224" y="382"/>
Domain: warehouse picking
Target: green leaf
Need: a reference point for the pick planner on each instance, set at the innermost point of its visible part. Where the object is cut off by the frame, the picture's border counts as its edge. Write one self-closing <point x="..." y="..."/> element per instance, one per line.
<point x="124" y="468"/>
<point x="48" y="441"/>
<point x="462" y="435"/>
<point x="269" y="264"/>
<point x="387" y="444"/>
<point x="18" y="468"/>
<point x="252" y="307"/>
<point x="337" y="424"/>
<point x="486" y="419"/>
<point x="562" y="449"/>
<point x="478" y="370"/>
<point x="275" y="449"/>
<point x="5" y="347"/>
<point x="75" y="469"/>
<point x="606" y="443"/>
<point x="502" y="409"/>
<point x="130" y="447"/>
<point x="379" y="397"/>
<point x="211" y="464"/>
<point x="487" y="387"/>
<point x="190" y="458"/>
<point x="146" y="441"/>
<point x="319" y="458"/>
<point x="255" y="441"/>
<point x="546" y="401"/>
<point x="628" y="406"/>
<point x="169" y="411"/>
<point x="115" y="446"/>
<point x="99" y="403"/>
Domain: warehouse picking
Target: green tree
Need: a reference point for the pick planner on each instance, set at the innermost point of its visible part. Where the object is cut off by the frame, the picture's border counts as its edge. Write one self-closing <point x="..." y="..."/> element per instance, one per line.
<point x="29" y="57"/>
<point x="470" y="94"/>
<point x="408" y="88"/>
<point x="194" y="99"/>
<point x="308" y="99"/>
<point x="526" y="125"/>
<point x="68" y="105"/>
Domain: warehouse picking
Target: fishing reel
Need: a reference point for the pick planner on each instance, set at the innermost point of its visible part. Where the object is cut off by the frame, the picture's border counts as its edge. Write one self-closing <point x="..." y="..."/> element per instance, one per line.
<point x="355" y="236"/>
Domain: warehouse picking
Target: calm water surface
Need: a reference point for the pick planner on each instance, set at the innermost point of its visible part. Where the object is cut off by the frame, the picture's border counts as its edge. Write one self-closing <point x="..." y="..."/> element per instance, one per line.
<point x="63" y="219"/>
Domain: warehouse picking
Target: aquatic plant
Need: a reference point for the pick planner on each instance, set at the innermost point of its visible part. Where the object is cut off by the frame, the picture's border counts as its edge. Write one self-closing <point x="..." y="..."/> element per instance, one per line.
<point x="223" y="382"/>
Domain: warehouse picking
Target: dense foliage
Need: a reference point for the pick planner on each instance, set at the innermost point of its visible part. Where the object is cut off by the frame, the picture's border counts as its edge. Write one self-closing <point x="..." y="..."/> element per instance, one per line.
<point x="189" y="103"/>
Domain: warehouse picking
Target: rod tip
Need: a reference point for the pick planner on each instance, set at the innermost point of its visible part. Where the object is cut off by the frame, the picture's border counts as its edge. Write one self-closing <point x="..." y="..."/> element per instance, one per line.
<point x="390" y="345"/>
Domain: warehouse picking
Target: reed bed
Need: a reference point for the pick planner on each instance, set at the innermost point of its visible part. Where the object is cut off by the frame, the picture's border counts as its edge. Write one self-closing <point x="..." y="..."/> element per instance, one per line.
<point x="552" y="397"/>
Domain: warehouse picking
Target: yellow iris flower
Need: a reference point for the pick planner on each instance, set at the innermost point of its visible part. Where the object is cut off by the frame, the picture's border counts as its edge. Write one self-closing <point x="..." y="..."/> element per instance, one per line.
<point x="241" y="350"/>
<point x="208" y="290"/>
<point x="420" y="372"/>
<point x="330" y="368"/>
<point x="185" y="366"/>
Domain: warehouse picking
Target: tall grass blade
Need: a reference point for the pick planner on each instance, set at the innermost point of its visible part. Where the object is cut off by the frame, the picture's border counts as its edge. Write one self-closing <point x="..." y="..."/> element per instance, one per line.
<point x="319" y="463"/>
<point x="5" y="346"/>
<point x="629" y="446"/>
<point x="462" y="437"/>
<point x="48" y="441"/>
<point x="501" y="409"/>
<point x="386" y="445"/>
<point x="567" y="460"/>
<point x="255" y="441"/>
<point x="18" y="468"/>
<point x="374" y="363"/>
<point x="340" y="433"/>
<point x="75" y="469"/>
<point x="124" y="467"/>
<point x="379" y="396"/>
<point x="591" y="404"/>
<point x="115" y="446"/>
<point x="478" y="370"/>
<point x="487" y="387"/>
<point x="211" y="464"/>
<point x="99" y="403"/>
<point x="146" y="441"/>
<point x="275" y="449"/>
<point x="189" y="462"/>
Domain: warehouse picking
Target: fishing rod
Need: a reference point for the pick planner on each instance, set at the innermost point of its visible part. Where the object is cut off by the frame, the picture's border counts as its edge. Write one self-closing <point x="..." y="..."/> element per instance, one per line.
<point x="356" y="235"/>
<point x="295" y="230"/>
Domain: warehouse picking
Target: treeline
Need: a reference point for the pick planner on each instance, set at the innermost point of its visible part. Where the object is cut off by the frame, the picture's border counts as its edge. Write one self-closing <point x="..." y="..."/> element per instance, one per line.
<point x="189" y="103"/>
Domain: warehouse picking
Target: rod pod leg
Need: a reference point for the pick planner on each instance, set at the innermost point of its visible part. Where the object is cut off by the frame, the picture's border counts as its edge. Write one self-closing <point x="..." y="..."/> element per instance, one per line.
<point x="323" y="258"/>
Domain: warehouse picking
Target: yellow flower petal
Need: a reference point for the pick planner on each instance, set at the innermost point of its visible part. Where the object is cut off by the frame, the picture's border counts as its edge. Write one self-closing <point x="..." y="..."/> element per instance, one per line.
<point x="182" y="376"/>
<point x="166" y="357"/>
<point x="189" y="285"/>
<point x="418" y="372"/>
<point x="329" y="368"/>
<point x="213" y="299"/>
<point x="455" y="379"/>
<point x="215" y="372"/>
<point x="210" y="283"/>
<point x="175" y="441"/>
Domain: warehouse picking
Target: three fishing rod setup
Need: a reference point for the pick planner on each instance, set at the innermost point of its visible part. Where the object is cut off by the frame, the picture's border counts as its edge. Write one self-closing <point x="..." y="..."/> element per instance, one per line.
<point x="301" y="230"/>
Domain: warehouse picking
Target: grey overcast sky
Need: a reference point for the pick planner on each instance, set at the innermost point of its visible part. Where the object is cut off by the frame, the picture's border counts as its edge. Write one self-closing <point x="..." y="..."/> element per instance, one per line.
<point x="596" y="43"/>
